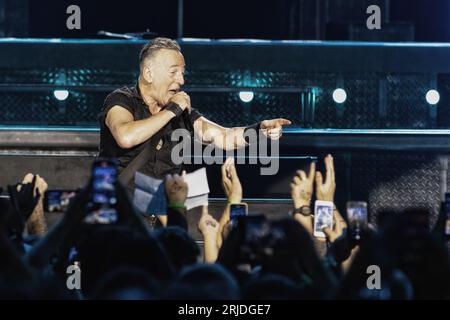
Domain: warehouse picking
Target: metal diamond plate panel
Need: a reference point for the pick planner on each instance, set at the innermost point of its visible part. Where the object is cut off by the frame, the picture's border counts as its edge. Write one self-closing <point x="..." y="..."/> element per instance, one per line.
<point x="407" y="106"/>
<point x="396" y="182"/>
<point x="73" y="77"/>
<point x="28" y="108"/>
<point x="228" y="110"/>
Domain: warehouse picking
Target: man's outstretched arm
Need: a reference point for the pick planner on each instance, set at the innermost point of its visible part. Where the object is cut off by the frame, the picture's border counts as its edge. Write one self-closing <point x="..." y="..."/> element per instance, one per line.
<point x="233" y="138"/>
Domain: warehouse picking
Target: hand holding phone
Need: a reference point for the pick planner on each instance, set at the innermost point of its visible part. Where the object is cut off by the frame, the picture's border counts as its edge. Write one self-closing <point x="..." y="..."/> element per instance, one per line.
<point x="102" y="206"/>
<point x="323" y="217"/>
<point x="238" y="210"/>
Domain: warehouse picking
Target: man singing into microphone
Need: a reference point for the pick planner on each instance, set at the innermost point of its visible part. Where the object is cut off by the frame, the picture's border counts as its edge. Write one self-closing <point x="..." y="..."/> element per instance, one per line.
<point x="144" y="116"/>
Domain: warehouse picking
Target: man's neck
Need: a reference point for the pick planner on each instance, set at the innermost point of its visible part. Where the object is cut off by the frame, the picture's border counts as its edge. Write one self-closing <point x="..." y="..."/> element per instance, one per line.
<point x="152" y="104"/>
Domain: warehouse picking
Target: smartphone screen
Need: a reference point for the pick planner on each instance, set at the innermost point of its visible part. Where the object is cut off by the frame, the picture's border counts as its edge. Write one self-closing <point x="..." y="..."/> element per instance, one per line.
<point x="357" y="218"/>
<point x="323" y="217"/>
<point x="57" y="200"/>
<point x="103" y="198"/>
<point x="238" y="210"/>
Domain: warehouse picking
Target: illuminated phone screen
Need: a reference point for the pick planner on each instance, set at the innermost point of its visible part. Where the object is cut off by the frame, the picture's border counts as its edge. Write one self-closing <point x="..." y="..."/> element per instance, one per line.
<point x="102" y="207"/>
<point x="237" y="210"/>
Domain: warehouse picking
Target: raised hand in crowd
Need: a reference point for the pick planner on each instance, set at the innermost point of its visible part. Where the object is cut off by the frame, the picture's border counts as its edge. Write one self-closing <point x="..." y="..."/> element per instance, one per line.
<point x="325" y="190"/>
<point x="233" y="190"/>
<point x="230" y="181"/>
<point x="302" y="190"/>
<point x="24" y="198"/>
<point x="36" y="224"/>
<point x="39" y="257"/>
<point x="67" y="229"/>
<point x="302" y="187"/>
<point x="176" y="191"/>
<point x="339" y="228"/>
<point x="340" y="248"/>
<point x="209" y="228"/>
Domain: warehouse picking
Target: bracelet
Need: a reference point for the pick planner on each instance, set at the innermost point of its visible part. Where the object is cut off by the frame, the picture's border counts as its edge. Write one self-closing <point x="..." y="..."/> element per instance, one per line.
<point x="303" y="210"/>
<point x="255" y="126"/>
<point x="175" y="205"/>
<point x="175" y="108"/>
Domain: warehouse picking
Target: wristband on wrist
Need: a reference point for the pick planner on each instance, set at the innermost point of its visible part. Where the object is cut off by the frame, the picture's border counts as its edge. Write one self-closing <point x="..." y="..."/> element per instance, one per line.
<point x="255" y="126"/>
<point x="303" y="210"/>
<point x="176" y="205"/>
<point x="175" y="108"/>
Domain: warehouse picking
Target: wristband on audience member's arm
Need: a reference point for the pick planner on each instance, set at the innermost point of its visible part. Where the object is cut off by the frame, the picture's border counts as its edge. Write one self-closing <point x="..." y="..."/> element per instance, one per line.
<point x="175" y="108"/>
<point x="176" y="205"/>
<point x="255" y="126"/>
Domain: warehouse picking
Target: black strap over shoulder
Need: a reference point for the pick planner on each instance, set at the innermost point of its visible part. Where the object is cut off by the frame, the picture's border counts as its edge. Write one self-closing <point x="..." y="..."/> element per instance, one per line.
<point x="127" y="174"/>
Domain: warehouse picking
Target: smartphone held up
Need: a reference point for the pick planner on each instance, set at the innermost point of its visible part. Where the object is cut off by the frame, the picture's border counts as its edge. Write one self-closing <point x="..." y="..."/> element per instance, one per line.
<point x="58" y="200"/>
<point x="323" y="217"/>
<point x="238" y="210"/>
<point x="102" y="207"/>
<point x="357" y="219"/>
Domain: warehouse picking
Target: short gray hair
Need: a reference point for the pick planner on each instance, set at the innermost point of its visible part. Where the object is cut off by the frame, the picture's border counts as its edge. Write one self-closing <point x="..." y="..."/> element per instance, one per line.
<point x="157" y="44"/>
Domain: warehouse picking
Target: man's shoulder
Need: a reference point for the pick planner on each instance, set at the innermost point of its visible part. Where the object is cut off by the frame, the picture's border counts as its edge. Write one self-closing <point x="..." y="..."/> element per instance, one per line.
<point x="124" y="97"/>
<point x="127" y="91"/>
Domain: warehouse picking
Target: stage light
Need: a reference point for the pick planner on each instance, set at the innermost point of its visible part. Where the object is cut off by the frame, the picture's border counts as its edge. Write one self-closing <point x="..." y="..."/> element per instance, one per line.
<point x="433" y="97"/>
<point x="246" y="96"/>
<point x="61" y="95"/>
<point x="339" y="95"/>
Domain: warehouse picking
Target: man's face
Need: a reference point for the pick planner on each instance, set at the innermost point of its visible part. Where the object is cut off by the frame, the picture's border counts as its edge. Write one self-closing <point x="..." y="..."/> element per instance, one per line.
<point x="167" y="71"/>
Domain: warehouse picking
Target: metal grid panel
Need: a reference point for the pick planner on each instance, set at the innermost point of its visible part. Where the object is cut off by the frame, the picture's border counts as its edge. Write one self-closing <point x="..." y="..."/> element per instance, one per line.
<point x="394" y="181"/>
<point x="242" y="78"/>
<point x="72" y="77"/>
<point x="359" y="111"/>
<point x="32" y="108"/>
<point x="228" y="110"/>
<point x="361" y="107"/>
<point x="404" y="96"/>
<point x="406" y="102"/>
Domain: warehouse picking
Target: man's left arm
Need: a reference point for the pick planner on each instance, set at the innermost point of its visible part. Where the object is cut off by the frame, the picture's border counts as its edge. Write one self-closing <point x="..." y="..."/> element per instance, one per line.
<point x="234" y="138"/>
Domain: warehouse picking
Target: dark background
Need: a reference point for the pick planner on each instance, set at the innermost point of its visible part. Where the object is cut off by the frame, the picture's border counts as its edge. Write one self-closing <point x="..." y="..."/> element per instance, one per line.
<point x="276" y="19"/>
